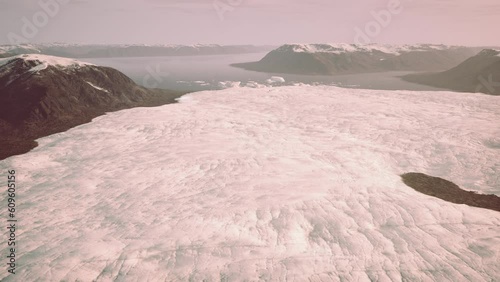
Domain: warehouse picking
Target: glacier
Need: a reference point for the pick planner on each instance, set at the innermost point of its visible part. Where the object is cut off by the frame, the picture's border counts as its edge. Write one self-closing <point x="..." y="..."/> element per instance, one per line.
<point x="295" y="183"/>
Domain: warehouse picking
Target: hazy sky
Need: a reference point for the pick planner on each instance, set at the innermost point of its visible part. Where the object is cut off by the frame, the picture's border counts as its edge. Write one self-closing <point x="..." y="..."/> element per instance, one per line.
<point x="464" y="22"/>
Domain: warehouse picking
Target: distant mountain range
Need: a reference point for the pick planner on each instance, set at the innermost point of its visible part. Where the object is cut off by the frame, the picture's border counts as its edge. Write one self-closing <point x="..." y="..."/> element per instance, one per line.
<point x="330" y="59"/>
<point x="104" y="51"/>
<point x="41" y="95"/>
<point x="480" y="73"/>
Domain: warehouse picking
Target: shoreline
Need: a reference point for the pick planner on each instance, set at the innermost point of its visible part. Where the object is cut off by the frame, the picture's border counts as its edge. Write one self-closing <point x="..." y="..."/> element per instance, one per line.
<point x="19" y="141"/>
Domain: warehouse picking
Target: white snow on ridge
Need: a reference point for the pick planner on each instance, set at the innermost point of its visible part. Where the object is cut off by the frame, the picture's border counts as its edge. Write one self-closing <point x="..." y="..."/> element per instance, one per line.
<point x="47" y="60"/>
<point x="276" y="184"/>
<point x="97" y="87"/>
<point x="39" y="67"/>
<point x="340" y="48"/>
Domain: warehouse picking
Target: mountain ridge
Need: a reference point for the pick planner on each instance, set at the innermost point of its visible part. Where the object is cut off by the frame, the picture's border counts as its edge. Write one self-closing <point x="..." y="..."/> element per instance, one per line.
<point x="42" y="95"/>
<point x="480" y="73"/>
<point x="331" y="59"/>
<point x="128" y="50"/>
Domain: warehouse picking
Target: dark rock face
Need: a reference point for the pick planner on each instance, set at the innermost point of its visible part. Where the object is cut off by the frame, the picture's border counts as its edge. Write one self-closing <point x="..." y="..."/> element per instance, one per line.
<point x="480" y="73"/>
<point x="358" y="60"/>
<point x="38" y="99"/>
<point x="54" y="93"/>
<point x="449" y="191"/>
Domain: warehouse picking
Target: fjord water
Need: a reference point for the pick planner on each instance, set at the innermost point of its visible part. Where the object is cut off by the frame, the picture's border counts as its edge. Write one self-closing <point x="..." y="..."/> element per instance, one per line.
<point x="207" y="73"/>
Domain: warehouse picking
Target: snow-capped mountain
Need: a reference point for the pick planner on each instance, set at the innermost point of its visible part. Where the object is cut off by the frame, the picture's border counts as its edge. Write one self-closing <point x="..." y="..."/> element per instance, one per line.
<point x="117" y="50"/>
<point x="327" y="59"/>
<point x="269" y="184"/>
<point x="41" y="94"/>
<point x="340" y="48"/>
<point x="480" y="73"/>
<point x="12" y="50"/>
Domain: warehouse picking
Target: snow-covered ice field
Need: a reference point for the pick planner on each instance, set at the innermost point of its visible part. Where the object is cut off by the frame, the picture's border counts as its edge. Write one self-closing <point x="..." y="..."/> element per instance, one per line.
<point x="271" y="184"/>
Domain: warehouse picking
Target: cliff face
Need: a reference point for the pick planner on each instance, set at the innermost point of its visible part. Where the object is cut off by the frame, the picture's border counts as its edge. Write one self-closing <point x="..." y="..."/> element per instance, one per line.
<point x="327" y="59"/>
<point x="480" y="73"/>
<point x="41" y="95"/>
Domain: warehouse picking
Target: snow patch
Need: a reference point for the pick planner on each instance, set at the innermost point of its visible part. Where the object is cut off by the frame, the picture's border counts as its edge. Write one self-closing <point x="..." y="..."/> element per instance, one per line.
<point x="47" y="60"/>
<point x="275" y="79"/>
<point x="97" y="87"/>
<point x="39" y="67"/>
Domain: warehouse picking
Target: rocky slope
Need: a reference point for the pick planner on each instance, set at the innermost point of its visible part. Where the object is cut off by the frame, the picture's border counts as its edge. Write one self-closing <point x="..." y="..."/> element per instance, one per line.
<point x="328" y="59"/>
<point x="480" y="73"/>
<point x="42" y="95"/>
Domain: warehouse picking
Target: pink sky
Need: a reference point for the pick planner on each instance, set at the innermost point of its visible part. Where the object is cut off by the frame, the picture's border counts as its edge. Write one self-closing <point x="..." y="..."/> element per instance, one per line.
<point x="462" y="22"/>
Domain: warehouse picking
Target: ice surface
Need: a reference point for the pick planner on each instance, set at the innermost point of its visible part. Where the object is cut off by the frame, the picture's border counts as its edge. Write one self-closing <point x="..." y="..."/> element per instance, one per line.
<point x="275" y="79"/>
<point x="269" y="83"/>
<point x="228" y="84"/>
<point x="273" y="184"/>
<point x="254" y="84"/>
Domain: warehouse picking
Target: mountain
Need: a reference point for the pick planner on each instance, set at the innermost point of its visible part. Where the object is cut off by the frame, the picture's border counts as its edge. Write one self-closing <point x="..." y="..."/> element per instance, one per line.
<point x="294" y="183"/>
<point x="12" y="50"/>
<point x="42" y="95"/>
<point x="103" y="51"/>
<point x="329" y="59"/>
<point x="480" y="73"/>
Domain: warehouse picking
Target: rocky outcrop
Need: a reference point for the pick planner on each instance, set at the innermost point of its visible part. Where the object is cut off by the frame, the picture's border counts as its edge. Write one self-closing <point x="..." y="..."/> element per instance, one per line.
<point x="449" y="191"/>
<point x="41" y="95"/>
<point x="480" y="73"/>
